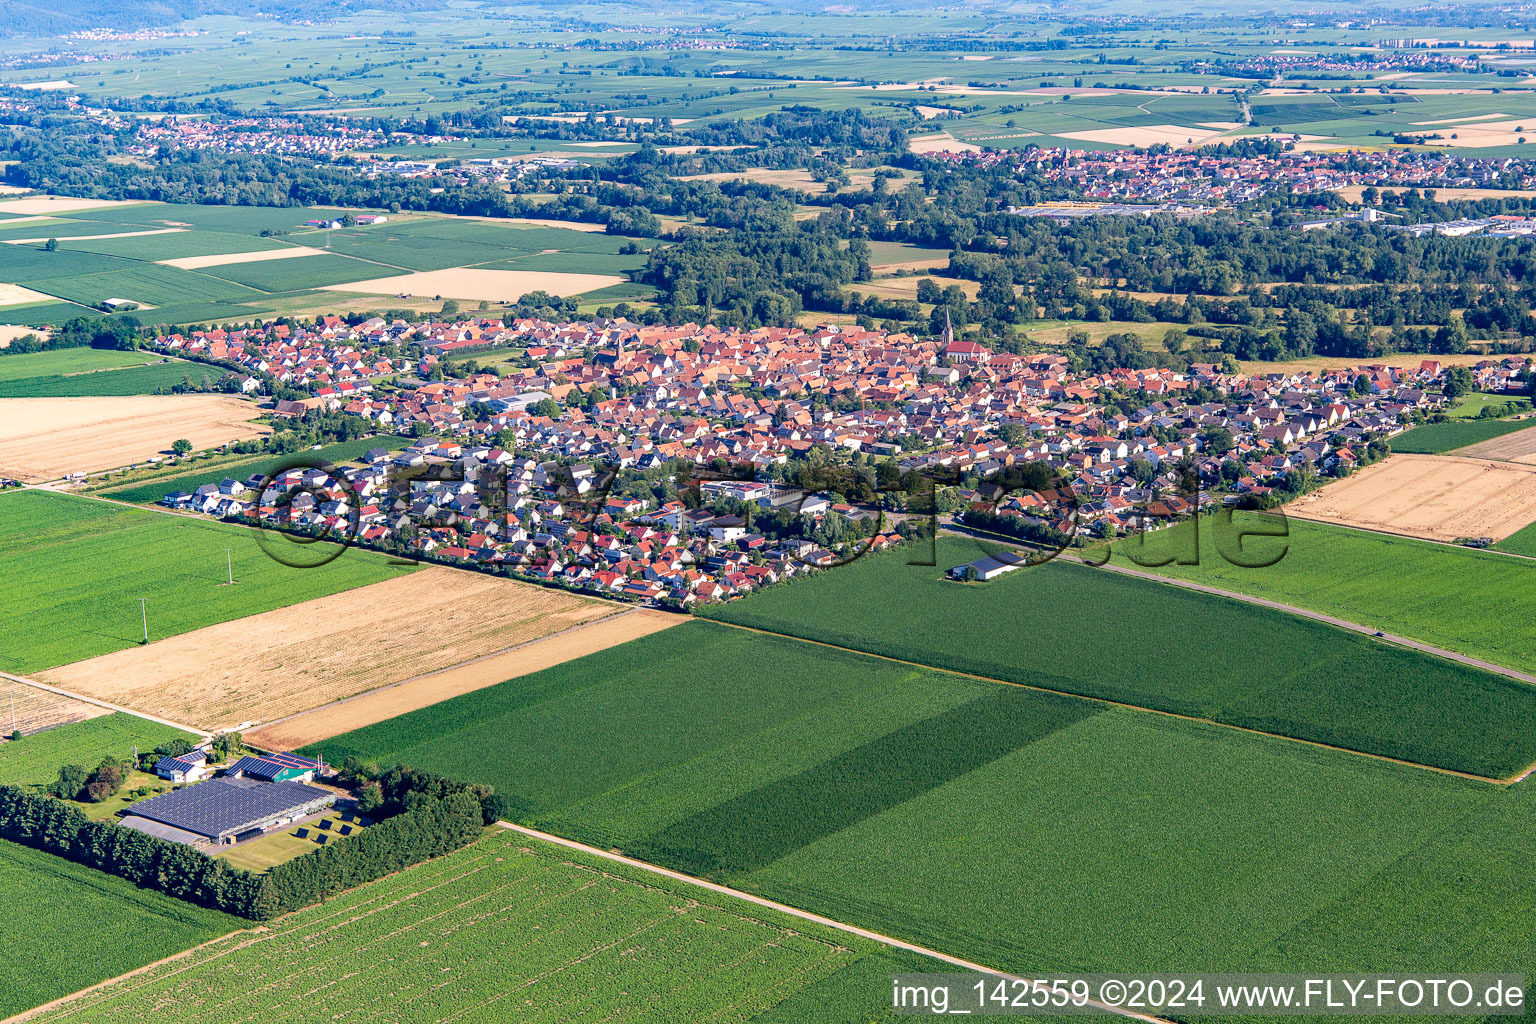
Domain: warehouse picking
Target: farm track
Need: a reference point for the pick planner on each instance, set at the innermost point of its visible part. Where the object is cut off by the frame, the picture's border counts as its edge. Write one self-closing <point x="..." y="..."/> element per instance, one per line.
<point x="805" y="915"/>
<point x="1470" y="776"/>
<point x="23" y="680"/>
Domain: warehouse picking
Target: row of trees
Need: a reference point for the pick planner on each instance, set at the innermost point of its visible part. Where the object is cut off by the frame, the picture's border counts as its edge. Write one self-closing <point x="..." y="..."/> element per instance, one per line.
<point x="425" y="816"/>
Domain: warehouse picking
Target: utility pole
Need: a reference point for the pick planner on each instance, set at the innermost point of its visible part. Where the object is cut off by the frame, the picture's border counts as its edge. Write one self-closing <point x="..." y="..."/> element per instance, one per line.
<point x="229" y="564"/>
<point x="144" y="611"/>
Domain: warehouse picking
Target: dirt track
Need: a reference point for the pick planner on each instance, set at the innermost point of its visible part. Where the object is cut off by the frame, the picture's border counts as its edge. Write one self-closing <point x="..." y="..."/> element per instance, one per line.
<point x="47" y="438"/>
<point x="278" y="663"/>
<point x="424" y="691"/>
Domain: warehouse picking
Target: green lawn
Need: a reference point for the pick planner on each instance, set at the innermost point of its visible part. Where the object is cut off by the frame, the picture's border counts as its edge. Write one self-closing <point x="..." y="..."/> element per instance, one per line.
<point x="1471" y="405"/>
<point x="514" y="928"/>
<point x="1026" y="831"/>
<point x="69" y="927"/>
<point x="1074" y="629"/>
<point x="1435" y="438"/>
<point x="1461" y="599"/>
<point x="38" y="758"/>
<point x="75" y="570"/>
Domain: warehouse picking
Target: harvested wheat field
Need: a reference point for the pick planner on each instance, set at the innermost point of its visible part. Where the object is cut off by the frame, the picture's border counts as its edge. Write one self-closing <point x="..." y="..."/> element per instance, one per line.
<point x="48" y="438"/>
<point x="940" y="143"/>
<point x="424" y="691"/>
<point x="1149" y="135"/>
<point x="1519" y="446"/>
<point x="15" y="295"/>
<point x="491" y="285"/>
<point x="231" y="258"/>
<point x="278" y="663"/>
<point x="34" y="710"/>
<point x="1437" y="497"/>
<point x="43" y="205"/>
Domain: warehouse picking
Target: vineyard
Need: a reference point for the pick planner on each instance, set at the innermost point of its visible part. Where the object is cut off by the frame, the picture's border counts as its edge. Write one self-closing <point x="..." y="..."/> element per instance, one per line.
<point x="506" y="929"/>
<point x="1071" y="628"/>
<point x="37" y="759"/>
<point x="68" y="927"/>
<point x="75" y="570"/>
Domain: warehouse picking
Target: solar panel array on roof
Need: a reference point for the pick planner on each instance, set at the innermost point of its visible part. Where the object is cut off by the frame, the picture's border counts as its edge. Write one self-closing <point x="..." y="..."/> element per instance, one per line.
<point x="223" y="807"/>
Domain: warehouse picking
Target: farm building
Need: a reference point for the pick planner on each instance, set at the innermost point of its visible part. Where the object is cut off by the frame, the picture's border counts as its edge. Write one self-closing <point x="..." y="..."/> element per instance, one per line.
<point x="225" y="810"/>
<point x="276" y="768"/>
<point x="990" y="567"/>
<point x="189" y="767"/>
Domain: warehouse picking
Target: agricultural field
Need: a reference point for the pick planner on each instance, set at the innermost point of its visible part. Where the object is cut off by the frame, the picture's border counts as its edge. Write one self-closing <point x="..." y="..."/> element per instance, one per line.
<point x="184" y="264"/>
<point x="1516" y="446"/>
<point x="1520" y="543"/>
<point x="905" y="800"/>
<point x="49" y="438"/>
<point x="1192" y="654"/>
<point x="69" y="361"/>
<point x="514" y="921"/>
<point x="304" y="655"/>
<point x="83" y="927"/>
<point x="1437" y="497"/>
<point x="32" y="709"/>
<point x="149" y="491"/>
<point x="137" y="380"/>
<point x="76" y="569"/>
<point x="1439" y="438"/>
<point x="37" y="759"/>
<point x="1458" y="598"/>
<point x="431" y="688"/>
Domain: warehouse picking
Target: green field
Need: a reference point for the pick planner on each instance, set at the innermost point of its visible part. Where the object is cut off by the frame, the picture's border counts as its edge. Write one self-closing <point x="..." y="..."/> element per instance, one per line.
<point x="513" y="928"/>
<point x="1521" y="542"/>
<point x="69" y="926"/>
<point x="38" y="758"/>
<point x="1461" y="599"/>
<point x="1020" y="829"/>
<point x="75" y="570"/>
<point x="135" y="380"/>
<point x="62" y="361"/>
<point x="1073" y="629"/>
<point x="1434" y="438"/>
<point x="151" y="491"/>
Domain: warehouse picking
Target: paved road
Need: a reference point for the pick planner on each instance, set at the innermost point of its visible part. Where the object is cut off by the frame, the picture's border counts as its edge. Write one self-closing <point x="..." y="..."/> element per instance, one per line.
<point x="1370" y="631"/>
<point x="805" y="915"/>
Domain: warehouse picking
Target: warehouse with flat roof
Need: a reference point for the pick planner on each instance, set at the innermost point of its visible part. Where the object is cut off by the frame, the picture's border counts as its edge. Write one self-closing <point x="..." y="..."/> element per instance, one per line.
<point x="226" y="810"/>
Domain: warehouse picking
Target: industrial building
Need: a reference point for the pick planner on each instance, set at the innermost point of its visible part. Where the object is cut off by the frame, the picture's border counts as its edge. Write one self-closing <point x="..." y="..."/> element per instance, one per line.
<point x="226" y="810"/>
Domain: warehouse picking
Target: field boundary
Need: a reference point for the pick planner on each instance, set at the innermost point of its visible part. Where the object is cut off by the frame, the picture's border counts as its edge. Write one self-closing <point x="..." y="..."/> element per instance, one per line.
<point x="622" y="612"/>
<point x="806" y="915"/>
<point x="1511" y="780"/>
<point x="195" y="730"/>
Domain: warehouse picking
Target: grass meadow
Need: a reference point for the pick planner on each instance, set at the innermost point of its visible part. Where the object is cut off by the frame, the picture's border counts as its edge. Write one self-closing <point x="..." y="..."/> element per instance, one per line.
<point x="75" y="570"/>
<point x="38" y="758"/>
<point x="63" y="361"/>
<point x="1074" y="629"/>
<point x="991" y="822"/>
<point x="70" y="926"/>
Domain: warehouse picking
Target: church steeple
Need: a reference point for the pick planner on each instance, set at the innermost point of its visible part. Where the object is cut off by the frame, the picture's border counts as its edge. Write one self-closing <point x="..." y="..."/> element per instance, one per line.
<point x="949" y="330"/>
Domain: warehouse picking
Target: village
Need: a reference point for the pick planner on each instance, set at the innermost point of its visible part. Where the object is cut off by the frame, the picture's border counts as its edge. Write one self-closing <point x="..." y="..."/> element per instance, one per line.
<point x="658" y="464"/>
